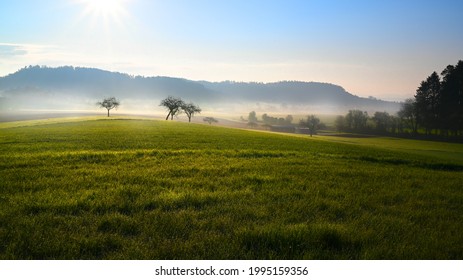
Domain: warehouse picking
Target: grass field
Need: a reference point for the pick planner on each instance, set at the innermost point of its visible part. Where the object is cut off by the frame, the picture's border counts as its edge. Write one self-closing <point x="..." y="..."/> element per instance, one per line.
<point x="90" y="188"/>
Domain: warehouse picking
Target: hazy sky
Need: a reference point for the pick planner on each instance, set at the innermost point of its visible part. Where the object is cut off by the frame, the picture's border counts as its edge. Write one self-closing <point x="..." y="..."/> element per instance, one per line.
<point x="378" y="48"/>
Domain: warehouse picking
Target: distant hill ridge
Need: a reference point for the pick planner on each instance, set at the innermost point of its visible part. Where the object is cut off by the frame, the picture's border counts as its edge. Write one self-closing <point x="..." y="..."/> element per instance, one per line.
<point x="49" y="87"/>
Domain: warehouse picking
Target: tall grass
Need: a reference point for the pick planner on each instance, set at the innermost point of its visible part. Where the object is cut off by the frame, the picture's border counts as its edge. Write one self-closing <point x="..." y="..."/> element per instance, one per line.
<point x="139" y="189"/>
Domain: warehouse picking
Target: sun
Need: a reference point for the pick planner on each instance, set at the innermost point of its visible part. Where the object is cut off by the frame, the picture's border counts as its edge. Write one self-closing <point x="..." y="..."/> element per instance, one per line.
<point x="106" y="9"/>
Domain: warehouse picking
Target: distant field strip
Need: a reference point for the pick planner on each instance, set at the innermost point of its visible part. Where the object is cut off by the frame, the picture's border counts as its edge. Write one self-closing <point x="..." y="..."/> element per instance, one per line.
<point x="146" y="155"/>
<point x="439" y="150"/>
<point x="144" y="189"/>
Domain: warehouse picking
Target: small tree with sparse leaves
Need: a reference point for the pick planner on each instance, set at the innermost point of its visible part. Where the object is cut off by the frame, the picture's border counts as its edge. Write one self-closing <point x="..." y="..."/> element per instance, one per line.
<point x="173" y="105"/>
<point x="190" y="109"/>
<point x="210" y="120"/>
<point x="109" y="103"/>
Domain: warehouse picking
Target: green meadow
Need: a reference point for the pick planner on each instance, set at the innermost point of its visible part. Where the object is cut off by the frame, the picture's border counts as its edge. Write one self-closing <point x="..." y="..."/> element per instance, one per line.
<point x="115" y="188"/>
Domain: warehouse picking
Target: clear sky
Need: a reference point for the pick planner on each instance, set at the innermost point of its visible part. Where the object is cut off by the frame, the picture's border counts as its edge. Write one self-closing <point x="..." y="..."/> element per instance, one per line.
<point x="378" y="48"/>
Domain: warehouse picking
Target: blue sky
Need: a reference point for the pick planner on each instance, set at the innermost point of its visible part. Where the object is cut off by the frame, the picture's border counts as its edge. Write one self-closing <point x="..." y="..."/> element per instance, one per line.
<point x="378" y="48"/>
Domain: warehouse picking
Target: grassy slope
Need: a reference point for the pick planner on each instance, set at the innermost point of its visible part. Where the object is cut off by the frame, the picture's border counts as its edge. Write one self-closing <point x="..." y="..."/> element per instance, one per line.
<point x="449" y="152"/>
<point x="149" y="189"/>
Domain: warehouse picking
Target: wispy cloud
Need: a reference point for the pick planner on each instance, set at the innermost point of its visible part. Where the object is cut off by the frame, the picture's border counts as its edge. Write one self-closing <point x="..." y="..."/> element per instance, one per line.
<point x="7" y="50"/>
<point x="13" y="50"/>
<point x="14" y="56"/>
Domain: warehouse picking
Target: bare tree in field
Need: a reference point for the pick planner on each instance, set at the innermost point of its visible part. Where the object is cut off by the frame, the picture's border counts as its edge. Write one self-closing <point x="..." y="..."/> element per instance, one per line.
<point x="312" y="122"/>
<point x="173" y="105"/>
<point x="210" y="120"/>
<point x="190" y="109"/>
<point x="109" y="103"/>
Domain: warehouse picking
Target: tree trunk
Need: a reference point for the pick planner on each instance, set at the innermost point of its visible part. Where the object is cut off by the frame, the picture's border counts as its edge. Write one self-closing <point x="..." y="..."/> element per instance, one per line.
<point x="108" y="112"/>
<point x="167" y="116"/>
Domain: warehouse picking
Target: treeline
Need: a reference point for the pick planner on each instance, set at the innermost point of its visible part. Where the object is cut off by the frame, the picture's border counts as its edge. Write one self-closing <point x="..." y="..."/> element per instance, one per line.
<point x="437" y="108"/>
<point x="268" y="120"/>
<point x="309" y="125"/>
<point x="360" y="122"/>
<point x="435" y="112"/>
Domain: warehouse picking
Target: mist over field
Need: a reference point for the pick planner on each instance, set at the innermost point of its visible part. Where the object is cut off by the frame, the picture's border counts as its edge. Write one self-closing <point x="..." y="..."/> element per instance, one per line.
<point x="73" y="89"/>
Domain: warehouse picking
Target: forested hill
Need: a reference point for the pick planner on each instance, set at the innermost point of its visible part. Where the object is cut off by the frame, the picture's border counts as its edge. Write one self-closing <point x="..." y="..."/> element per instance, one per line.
<point x="75" y="87"/>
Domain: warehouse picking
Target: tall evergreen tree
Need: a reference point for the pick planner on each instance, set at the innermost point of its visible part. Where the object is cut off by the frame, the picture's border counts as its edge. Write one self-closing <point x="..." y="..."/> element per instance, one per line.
<point x="451" y="99"/>
<point x="427" y="101"/>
